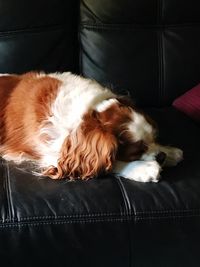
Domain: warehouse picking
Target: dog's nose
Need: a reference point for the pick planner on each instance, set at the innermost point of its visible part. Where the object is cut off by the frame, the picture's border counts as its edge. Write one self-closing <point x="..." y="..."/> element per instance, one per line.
<point x="160" y="158"/>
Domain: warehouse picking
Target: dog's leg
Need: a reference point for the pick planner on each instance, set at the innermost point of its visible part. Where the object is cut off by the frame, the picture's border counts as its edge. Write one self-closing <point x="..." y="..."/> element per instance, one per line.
<point x="148" y="168"/>
<point x="172" y="157"/>
<point x="141" y="171"/>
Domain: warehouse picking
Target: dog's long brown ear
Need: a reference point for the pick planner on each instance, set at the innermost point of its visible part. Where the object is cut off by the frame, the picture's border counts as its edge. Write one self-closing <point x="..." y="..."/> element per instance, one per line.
<point x="88" y="151"/>
<point x="89" y="155"/>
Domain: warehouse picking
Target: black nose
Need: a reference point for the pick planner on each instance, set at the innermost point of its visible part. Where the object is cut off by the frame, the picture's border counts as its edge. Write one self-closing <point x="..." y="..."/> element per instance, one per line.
<point x="160" y="158"/>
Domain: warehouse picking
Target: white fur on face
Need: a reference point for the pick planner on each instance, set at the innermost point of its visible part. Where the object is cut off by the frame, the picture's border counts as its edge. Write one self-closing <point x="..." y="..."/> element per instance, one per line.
<point x="140" y="128"/>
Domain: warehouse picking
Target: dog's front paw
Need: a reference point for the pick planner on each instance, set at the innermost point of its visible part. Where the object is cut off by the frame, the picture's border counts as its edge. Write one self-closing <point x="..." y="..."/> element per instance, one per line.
<point x="173" y="156"/>
<point x="140" y="171"/>
<point x="149" y="171"/>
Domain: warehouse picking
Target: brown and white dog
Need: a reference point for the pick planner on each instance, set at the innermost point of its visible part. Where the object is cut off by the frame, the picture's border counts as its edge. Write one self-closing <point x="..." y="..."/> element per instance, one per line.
<point x="73" y="127"/>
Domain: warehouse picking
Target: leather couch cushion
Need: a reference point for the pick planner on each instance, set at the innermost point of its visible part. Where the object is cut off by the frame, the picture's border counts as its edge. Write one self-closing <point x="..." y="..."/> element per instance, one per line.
<point x="178" y="194"/>
<point x="37" y="35"/>
<point x="150" y="48"/>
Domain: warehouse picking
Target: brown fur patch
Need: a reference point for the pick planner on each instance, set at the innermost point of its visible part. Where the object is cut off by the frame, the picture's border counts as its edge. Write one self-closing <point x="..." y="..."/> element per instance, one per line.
<point x="25" y="103"/>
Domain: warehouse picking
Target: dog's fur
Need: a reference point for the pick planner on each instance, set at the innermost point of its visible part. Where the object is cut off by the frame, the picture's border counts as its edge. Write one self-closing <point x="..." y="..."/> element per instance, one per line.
<point x="73" y="127"/>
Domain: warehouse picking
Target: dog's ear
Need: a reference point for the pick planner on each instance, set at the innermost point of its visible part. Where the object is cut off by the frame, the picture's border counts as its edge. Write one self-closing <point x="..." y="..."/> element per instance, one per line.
<point x="88" y="151"/>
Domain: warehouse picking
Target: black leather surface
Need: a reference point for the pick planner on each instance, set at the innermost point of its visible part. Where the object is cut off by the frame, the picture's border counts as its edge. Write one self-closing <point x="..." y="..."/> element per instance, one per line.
<point x="68" y="244"/>
<point x="27" y="196"/>
<point x="37" y="35"/>
<point x="150" y="48"/>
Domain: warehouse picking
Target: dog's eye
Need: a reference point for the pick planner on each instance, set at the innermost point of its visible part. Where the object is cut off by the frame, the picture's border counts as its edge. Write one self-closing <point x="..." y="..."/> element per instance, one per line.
<point x="129" y="151"/>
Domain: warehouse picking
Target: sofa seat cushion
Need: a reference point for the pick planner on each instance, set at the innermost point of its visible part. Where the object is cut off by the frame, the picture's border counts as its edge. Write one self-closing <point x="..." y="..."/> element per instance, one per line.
<point x="26" y="199"/>
<point x="178" y="193"/>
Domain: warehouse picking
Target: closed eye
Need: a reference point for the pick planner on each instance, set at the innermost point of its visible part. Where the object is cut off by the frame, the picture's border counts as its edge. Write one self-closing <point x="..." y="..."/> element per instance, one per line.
<point x="131" y="151"/>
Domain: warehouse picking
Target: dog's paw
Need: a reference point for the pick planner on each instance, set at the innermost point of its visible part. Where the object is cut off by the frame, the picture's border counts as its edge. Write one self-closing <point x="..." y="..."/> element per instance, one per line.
<point x="173" y="156"/>
<point x="140" y="171"/>
<point x="147" y="172"/>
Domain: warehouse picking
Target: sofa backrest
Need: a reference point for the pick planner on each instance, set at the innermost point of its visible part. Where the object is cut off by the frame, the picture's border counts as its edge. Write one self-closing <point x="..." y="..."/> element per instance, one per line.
<point x="38" y="35"/>
<point x="149" y="48"/>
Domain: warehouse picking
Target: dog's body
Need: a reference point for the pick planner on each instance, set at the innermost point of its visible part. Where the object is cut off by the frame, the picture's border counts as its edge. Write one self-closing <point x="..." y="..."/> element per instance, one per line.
<point x="72" y="127"/>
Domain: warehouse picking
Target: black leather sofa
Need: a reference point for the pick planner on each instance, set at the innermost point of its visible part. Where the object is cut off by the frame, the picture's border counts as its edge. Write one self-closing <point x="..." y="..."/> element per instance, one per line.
<point x="149" y="48"/>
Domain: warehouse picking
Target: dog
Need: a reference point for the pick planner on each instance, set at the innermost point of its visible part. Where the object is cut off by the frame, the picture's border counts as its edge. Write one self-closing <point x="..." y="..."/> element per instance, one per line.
<point x="72" y="127"/>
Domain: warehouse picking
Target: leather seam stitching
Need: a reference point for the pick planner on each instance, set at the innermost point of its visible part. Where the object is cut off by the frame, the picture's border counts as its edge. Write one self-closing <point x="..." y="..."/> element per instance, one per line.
<point x="137" y="214"/>
<point x="124" y="195"/>
<point x="75" y="216"/>
<point x="125" y="219"/>
<point x="129" y="215"/>
<point x="161" y="55"/>
<point x="101" y="217"/>
<point x="160" y="64"/>
<point x="19" y="224"/>
<point x="168" y="211"/>
<point x="137" y="218"/>
<point x="7" y="190"/>
<point x="111" y="26"/>
<point x="32" y="30"/>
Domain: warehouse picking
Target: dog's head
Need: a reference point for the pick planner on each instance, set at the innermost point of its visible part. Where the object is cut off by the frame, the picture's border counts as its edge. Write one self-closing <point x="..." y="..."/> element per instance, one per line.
<point x="114" y="130"/>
